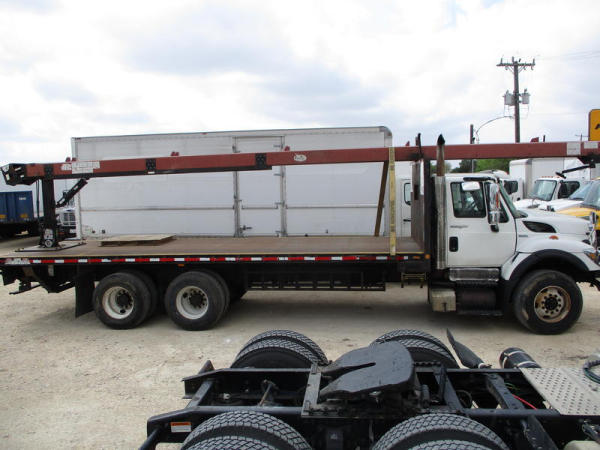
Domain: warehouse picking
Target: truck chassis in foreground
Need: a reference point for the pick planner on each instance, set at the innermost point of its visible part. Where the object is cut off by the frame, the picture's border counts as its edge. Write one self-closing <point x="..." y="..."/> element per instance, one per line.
<point x="405" y="390"/>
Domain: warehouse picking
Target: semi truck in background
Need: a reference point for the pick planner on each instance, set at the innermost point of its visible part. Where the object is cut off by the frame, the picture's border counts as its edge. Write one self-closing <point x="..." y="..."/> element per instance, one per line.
<point x="289" y="201"/>
<point x="476" y="253"/>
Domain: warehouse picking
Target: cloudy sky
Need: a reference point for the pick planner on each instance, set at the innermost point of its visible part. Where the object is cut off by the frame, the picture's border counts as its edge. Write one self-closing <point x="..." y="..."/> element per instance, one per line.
<point x="86" y="68"/>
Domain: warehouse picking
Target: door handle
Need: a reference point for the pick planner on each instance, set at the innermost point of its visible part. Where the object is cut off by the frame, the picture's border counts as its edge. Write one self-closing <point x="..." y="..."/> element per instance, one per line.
<point x="454" y="244"/>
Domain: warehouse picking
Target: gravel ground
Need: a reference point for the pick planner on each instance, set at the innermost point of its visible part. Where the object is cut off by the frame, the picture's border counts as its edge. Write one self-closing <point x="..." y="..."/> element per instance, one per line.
<point x="73" y="383"/>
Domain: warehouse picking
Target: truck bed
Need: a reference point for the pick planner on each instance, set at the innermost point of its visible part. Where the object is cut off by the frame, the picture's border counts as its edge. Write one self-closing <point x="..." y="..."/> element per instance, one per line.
<point x="225" y="247"/>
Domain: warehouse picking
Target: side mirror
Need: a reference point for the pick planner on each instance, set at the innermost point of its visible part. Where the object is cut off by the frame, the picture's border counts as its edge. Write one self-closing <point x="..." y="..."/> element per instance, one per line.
<point x="470" y="186"/>
<point x="494" y="207"/>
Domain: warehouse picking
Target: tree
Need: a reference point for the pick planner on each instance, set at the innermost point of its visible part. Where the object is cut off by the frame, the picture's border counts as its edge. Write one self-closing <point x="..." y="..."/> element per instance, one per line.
<point x="493" y="164"/>
<point x="464" y="166"/>
<point x="482" y="164"/>
<point x="434" y="167"/>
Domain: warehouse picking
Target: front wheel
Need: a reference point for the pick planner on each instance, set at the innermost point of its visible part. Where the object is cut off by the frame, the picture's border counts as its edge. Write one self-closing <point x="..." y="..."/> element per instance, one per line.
<point x="547" y="302"/>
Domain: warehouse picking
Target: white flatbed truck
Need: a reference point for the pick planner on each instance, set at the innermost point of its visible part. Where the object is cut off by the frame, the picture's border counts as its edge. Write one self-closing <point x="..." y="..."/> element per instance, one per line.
<point x="475" y="252"/>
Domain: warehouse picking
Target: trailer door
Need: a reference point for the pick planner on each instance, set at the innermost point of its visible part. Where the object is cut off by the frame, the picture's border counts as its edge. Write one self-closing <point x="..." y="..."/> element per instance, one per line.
<point x="260" y="193"/>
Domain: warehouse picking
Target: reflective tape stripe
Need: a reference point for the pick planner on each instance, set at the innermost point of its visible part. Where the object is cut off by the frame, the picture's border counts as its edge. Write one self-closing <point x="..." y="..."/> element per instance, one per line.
<point x="209" y="259"/>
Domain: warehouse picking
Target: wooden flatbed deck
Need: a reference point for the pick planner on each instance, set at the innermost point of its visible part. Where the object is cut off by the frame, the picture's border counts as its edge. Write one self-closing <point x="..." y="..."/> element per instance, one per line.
<point x="225" y="246"/>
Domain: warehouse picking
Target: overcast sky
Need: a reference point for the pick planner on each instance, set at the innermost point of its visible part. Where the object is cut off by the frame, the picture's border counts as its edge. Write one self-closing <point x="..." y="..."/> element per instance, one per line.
<point x="87" y="68"/>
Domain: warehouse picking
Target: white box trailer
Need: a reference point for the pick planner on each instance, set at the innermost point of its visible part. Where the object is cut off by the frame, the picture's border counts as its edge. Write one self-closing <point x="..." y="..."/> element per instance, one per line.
<point x="331" y="199"/>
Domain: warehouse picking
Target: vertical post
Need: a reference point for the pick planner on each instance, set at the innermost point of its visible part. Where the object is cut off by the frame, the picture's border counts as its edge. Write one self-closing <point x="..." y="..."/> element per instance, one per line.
<point x="515" y="66"/>
<point x="440" y="169"/>
<point x="49" y="232"/>
<point x="237" y="222"/>
<point x="384" y="172"/>
<point x="392" y="186"/>
<point x="517" y="101"/>
<point x="472" y="141"/>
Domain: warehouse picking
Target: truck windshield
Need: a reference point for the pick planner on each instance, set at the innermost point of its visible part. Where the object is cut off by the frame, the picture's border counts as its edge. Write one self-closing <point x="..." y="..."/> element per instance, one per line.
<point x="514" y="211"/>
<point x="592" y="198"/>
<point x="580" y="193"/>
<point x="543" y="189"/>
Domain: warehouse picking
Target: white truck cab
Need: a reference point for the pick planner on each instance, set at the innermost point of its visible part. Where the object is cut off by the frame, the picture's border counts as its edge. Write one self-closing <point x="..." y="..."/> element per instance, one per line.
<point x="546" y="189"/>
<point x="575" y="199"/>
<point x="497" y="254"/>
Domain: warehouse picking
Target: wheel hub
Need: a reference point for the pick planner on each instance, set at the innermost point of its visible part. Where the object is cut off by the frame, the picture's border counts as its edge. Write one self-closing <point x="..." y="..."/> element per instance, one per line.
<point x="123" y="300"/>
<point x="197" y="300"/>
<point x="118" y="302"/>
<point x="552" y="304"/>
<point x="192" y="302"/>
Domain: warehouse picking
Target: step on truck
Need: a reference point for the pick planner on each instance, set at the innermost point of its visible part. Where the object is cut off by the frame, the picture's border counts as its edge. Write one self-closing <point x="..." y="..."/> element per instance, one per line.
<point x="469" y="246"/>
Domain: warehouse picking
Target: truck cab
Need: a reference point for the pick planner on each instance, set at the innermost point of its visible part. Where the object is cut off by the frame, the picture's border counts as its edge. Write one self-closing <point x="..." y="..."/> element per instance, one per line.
<point x="546" y="189"/>
<point x="494" y="257"/>
<point x="575" y="199"/>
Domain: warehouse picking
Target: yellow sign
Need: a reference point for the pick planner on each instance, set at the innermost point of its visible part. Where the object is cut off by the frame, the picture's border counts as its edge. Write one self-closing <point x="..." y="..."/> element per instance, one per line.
<point x="594" y="125"/>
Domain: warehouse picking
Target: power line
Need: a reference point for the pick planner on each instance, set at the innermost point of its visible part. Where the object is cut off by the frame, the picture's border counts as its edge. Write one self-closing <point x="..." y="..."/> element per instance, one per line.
<point x="574" y="56"/>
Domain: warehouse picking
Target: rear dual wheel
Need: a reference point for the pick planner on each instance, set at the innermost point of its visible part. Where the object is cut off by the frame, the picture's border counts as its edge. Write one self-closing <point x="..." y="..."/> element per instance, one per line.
<point x="244" y="430"/>
<point x="196" y="300"/>
<point x="422" y="346"/>
<point x="125" y="299"/>
<point x="280" y="349"/>
<point x="440" y="431"/>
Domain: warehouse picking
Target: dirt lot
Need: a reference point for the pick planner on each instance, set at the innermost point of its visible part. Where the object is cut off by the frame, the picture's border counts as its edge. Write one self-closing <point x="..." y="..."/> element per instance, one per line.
<point x="73" y="383"/>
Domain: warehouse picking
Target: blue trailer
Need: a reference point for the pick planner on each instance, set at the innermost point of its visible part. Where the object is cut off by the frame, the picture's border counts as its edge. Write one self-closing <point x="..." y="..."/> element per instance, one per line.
<point x="16" y="213"/>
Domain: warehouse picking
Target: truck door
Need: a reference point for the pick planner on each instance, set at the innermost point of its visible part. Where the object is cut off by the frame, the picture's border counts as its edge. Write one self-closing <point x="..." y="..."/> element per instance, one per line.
<point x="471" y="241"/>
<point x="259" y="193"/>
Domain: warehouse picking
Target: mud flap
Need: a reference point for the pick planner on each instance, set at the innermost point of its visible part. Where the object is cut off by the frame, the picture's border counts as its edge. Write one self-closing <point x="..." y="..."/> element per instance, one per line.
<point x="84" y="289"/>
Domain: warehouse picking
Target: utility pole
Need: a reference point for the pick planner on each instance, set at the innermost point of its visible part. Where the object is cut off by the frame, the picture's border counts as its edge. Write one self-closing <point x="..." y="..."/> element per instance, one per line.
<point x="516" y="66"/>
<point x="472" y="141"/>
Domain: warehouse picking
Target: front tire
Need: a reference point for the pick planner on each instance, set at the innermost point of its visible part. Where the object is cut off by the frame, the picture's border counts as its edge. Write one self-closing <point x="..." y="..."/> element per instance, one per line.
<point x="547" y="302"/>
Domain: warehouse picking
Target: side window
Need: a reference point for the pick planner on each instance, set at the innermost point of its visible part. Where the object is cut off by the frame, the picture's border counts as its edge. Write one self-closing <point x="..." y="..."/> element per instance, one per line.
<point x="467" y="203"/>
<point x="563" y="191"/>
<point x="511" y="187"/>
<point x="407" y="192"/>
<point x="572" y="186"/>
